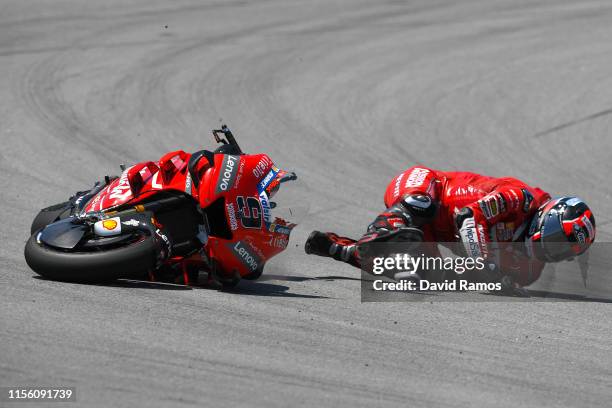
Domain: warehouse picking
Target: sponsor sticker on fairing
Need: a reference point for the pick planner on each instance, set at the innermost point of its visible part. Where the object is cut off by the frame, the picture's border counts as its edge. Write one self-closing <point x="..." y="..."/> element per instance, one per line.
<point x="246" y="255"/>
<point x="261" y="166"/>
<point x="265" y="182"/>
<point x="229" y="168"/>
<point x="131" y="222"/>
<point x="281" y="229"/>
<point x="122" y="190"/>
<point x="280" y="242"/>
<point x="108" y="227"/>
<point x="239" y="176"/>
<point x="231" y="211"/>
<point x="265" y="206"/>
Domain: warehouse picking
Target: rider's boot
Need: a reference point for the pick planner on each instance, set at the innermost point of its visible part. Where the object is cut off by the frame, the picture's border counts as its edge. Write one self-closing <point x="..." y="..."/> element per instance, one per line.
<point x="332" y="245"/>
<point x="399" y="223"/>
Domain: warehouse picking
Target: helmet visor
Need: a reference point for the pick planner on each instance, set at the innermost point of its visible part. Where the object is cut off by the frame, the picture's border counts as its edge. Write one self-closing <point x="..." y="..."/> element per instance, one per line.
<point x="554" y="244"/>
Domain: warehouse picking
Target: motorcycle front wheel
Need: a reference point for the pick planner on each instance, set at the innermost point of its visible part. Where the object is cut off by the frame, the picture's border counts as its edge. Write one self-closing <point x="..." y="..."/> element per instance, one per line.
<point x="133" y="260"/>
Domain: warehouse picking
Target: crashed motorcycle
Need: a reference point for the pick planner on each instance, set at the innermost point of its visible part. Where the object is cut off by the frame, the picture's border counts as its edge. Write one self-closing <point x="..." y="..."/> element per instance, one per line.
<point x="218" y="215"/>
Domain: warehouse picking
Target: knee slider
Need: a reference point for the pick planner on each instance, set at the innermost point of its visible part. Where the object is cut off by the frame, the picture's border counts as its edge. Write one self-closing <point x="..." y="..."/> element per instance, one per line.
<point x="421" y="207"/>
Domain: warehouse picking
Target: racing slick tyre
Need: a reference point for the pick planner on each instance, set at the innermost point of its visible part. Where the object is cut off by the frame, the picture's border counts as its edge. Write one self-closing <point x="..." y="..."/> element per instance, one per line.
<point x="130" y="261"/>
<point x="49" y="215"/>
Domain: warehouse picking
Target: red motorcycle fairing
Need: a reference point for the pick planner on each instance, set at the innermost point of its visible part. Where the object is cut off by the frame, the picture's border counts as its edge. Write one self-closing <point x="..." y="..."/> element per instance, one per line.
<point x="240" y="182"/>
<point x="143" y="180"/>
<point x="237" y="183"/>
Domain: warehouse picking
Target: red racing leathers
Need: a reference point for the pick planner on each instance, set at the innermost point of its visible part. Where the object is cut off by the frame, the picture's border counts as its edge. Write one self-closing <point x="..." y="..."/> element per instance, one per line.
<point x="477" y="209"/>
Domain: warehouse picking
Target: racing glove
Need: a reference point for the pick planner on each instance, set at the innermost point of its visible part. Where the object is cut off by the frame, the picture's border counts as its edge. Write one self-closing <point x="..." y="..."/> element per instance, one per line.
<point x="473" y="233"/>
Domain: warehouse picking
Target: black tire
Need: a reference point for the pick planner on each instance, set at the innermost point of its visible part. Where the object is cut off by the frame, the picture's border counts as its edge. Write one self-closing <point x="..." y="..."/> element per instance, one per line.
<point x="49" y="215"/>
<point x="132" y="261"/>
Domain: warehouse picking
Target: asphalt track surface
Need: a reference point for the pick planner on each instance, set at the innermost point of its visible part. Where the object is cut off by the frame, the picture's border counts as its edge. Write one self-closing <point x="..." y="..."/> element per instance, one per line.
<point x="348" y="93"/>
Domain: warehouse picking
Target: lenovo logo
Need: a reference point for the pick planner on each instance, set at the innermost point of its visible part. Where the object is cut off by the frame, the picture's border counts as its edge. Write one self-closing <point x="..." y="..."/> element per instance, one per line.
<point x="246" y="256"/>
<point x="228" y="173"/>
